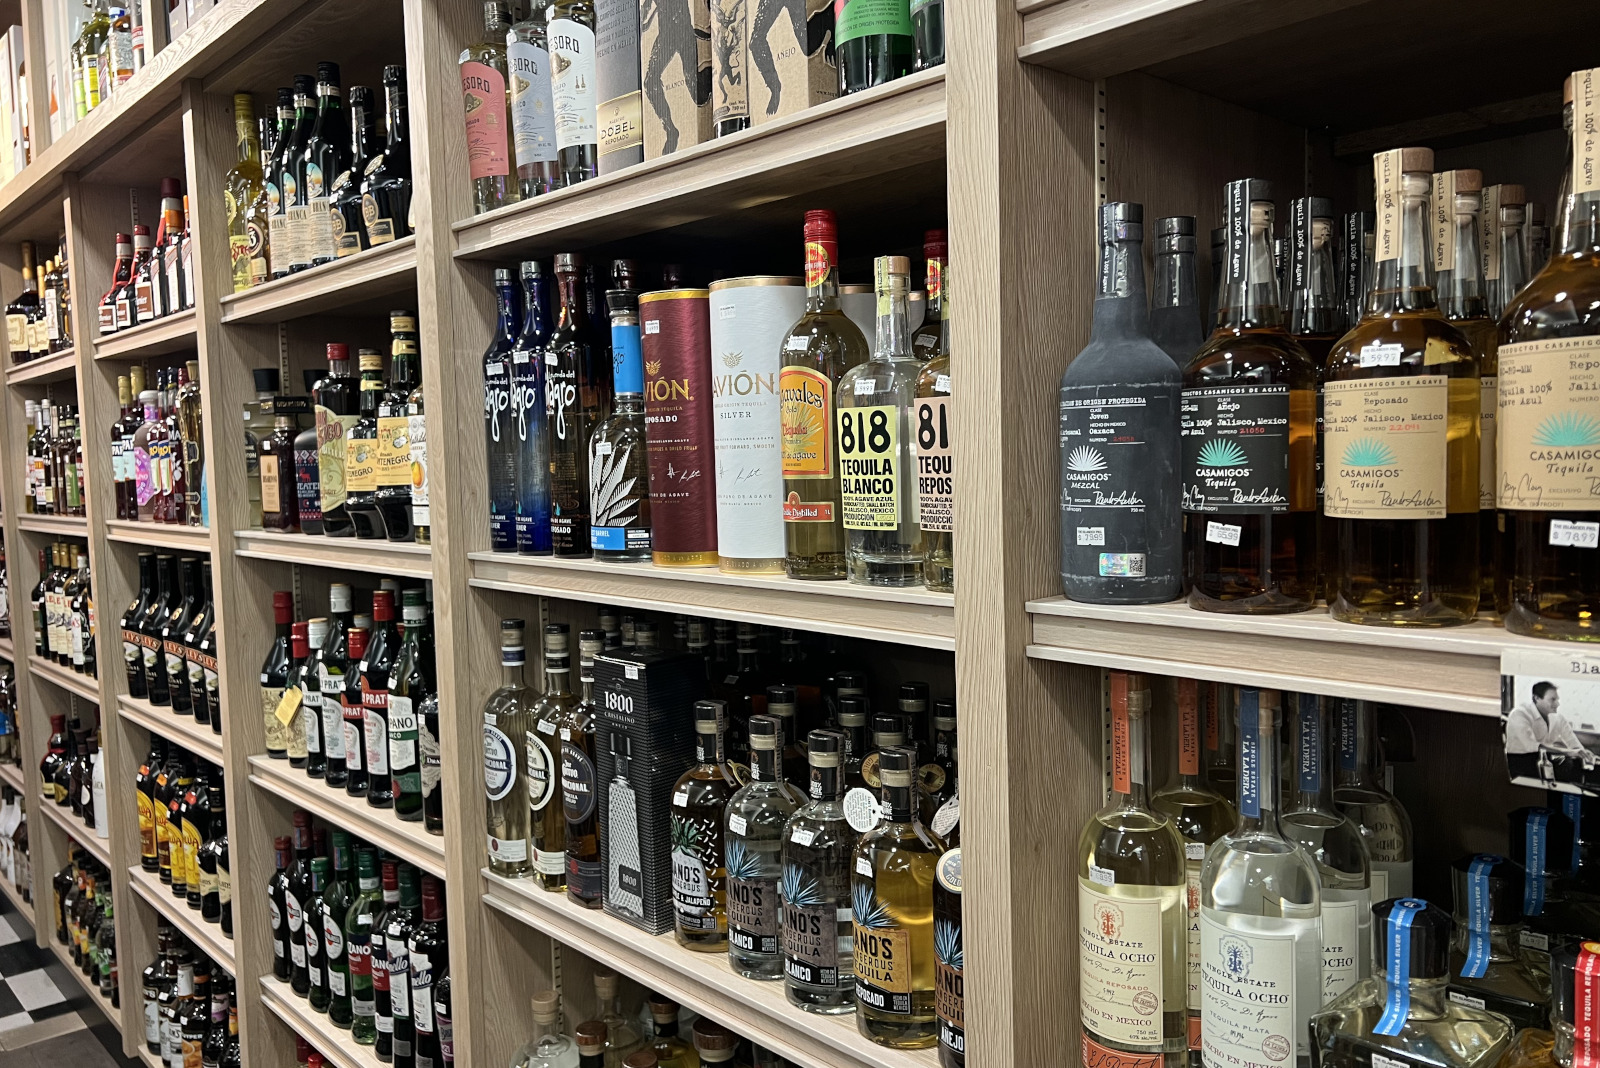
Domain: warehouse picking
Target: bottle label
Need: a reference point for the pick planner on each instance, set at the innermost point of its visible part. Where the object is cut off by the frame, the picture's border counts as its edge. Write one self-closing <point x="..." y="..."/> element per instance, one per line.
<point x="935" y="465"/>
<point x="573" y="85"/>
<point x="752" y="906"/>
<point x="532" y="111"/>
<point x="1549" y="425"/>
<point x="1236" y="455"/>
<point x="361" y="465"/>
<point x="1488" y="434"/>
<point x="499" y="764"/>
<point x="402" y="738"/>
<point x="1387" y="447"/>
<point x="332" y="712"/>
<point x="416" y="432"/>
<point x="693" y="886"/>
<point x="1341" y="941"/>
<point x="882" y="953"/>
<point x="577" y="783"/>
<point x="807" y="418"/>
<point x="1121" y="958"/>
<point x="485" y="91"/>
<point x="1248" y="994"/>
<point x="870" y="467"/>
<point x="542" y="779"/>
<point x="394" y="451"/>
<point x="861" y="18"/>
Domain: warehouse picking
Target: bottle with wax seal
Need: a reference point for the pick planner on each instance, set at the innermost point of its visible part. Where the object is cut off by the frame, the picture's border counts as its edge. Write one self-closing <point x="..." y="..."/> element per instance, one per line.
<point x="676" y="345"/>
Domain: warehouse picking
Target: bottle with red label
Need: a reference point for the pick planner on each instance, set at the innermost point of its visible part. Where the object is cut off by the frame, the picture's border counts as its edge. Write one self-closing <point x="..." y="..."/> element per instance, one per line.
<point x="488" y="114"/>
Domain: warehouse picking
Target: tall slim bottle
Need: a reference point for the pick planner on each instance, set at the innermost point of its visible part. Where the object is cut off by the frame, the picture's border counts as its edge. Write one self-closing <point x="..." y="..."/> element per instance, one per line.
<point x="1120" y="488"/>
<point x="1403" y="492"/>
<point x="1249" y="436"/>
<point x="488" y="114"/>
<point x="499" y="421"/>
<point x="571" y="413"/>
<point x="508" y="715"/>
<point x="1175" y="307"/>
<point x="528" y="411"/>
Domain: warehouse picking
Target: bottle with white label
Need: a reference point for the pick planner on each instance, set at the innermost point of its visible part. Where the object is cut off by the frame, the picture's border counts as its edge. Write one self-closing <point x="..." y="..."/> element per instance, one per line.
<point x="818" y="843"/>
<point x="1360" y="793"/>
<point x="1260" y="916"/>
<point x="754" y="820"/>
<point x="549" y="821"/>
<point x="1311" y="818"/>
<point x="508" y="715"/>
<point x="1131" y="889"/>
<point x="1488" y="967"/>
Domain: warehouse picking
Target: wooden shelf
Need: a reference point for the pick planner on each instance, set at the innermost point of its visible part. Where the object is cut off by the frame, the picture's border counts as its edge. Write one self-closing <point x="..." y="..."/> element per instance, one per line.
<point x="386" y="269"/>
<point x="702" y="981"/>
<point x="11" y="775"/>
<point x="56" y="526"/>
<point x="335" y="1044"/>
<point x="14" y="896"/>
<point x="57" y="367"/>
<point x="61" y="816"/>
<point x="883" y="129"/>
<point x="207" y="937"/>
<point x="159" y="535"/>
<point x="374" y="556"/>
<point x="198" y="738"/>
<point x="379" y="826"/>
<point x="83" y="686"/>
<point x="170" y="333"/>
<point x="908" y="616"/>
<point x="92" y="989"/>
<point x="1456" y="669"/>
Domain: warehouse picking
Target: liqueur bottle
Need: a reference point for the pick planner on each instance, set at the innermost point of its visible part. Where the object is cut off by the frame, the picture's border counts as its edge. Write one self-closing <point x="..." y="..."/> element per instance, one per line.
<point x="499" y="418"/>
<point x="1550" y="330"/>
<point x="361" y="450"/>
<point x="574" y="88"/>
<point x="818" y="350"/>
<point x="872" y="49"/>
<point x="755" y="819"/>
<point x="1402" y="1014"/>
<point x="1249" y="436"/>
<point x="570" y="409"/>
<point x="386" y="188"/>
<point x="619" y="471"/>
<point x="344" y="208"/>
<point x="579" y="781"/>
<point x="877" y="438"/>
<point x="549" y="828"/>
<point x="699" y="868"/>
<point x="508" y="715"/>
<point x="528" y="408"/>
<point x="1488" y="968"/>
<point x="275" y="675"/>
<point x="533" y="118"/>
<point x="1360" y="793"/>
<point x="1260" y="904"/>
<point x="1403" y="494"/>
<point x="1120" y="503"/>
<point x="488" y="114"/>
<point x="1174" y="309"/>
<point x="949" y="961"/>
<point x="1131" y="889"/>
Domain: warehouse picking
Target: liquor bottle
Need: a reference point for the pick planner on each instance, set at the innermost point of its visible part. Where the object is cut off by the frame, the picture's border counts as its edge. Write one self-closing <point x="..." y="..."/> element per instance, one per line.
<point x="410" y="684"/>
<point x="322" y="161"/>
<point x="572" y="411"/>
<point x="499" y="418"/>
<point x="1249" y="436"/>
<point x="527" y="403"/>
<point x="1404" y="1008"/>
<point x="1174" y="310"/>
<point x="383" y="644"/>
<point x="1546" y="332"/>
<point x="1120" y="440"/>
<point x="292" y="253"/>
<point x="488" y="114"/>
<point x="872" y="49"/>
<point x="361" y="920"/>
<point x="403" y="919"/>
<point x="308" y="680"/>
<point x="275" y="675"/>
<point x="533" y="118"/>
<point x="351" y="710"/>
<point x="1403" y="494"/>
<point x="216" y="867"/>
<point x="818" y="350"/>
<point x="619" y="471"/>
<point x="337" y="897"/>
<point x="1488" y="967"/>
<point x="361" y="450"/>
<point x="247" y="244"/>
<point x="393" y="496"/>
<point x="699" y="870"/>
<point x="280" y="490"/>
<point x="429" y="960"/>
<point x="121" y="275"/>
<point x="579" y="781"/>
<point x="295" y="893"/>
<point x="507" y="715"/>
<point x="386" y="189"/>
<point x="667" y="1049"/>
<point x="755" y="818"/>
<point x="19" y="313"/>
<point x="877" y="438"/>
<point x="1260" y="904"/>
<point x="573" y="88"/>
<point x="817" y="850"/>
<point x="132" y="647"/>
<point x="344" y="208"/>
<point x="1360" y="793"/>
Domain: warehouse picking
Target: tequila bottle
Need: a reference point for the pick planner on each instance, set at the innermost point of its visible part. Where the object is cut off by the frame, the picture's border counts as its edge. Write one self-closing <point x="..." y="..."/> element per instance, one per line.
<point x="579" y="802"/>
<point x="549" y="821"/>
<point x="1360" y="793"/>
<point x="1488" y="969"/>
<point x="1334" y="841"/>
<point x="753" y="841"/>
<point x="619" y="474"/>
<point x="1174" y="309"/>
<point x="699" y="868"/>
<point x="547" y="1047"/>
<point x="818" y="845"/>
<point x="507" y="723"/>
<point x="1401" y="412"/>
<point x="1260" y="915"/>
<point x="1401" y="1016"/>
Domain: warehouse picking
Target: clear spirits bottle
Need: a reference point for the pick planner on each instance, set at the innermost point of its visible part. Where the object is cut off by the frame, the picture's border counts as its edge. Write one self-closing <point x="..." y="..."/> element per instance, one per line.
<point x="499" y="419"/>
<point x="1174" y="308"/>
<point x="1260" y="915"/>
<point x="699" y="868"/>
<point x="1200" y="815"/>
<point x="528" y="408"/>
<point x="544" y="767"/>
<point x="547" y="1047"/>
<point x="619" y="473"/>
<point x="1131" y="891"/>
<point x="818" y="846"/>
<point x="1401" y="1015"/>
<point x="1401" y="410"/>
<point x="1488" y="968"/>
<point x="1312" y="819"/>
<point x="507" y="722"/>
<point x="755" y="819"/>
<point x="1121" y="518"/>
<point x="1573" y="1012"/>
<point x="1359" y="791"/>
<point x="1249" y="436"/>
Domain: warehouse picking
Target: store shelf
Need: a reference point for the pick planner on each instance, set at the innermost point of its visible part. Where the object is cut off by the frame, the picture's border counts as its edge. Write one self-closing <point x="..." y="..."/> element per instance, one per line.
<point x="170" y="333"/>
<point x="379" y="826"/>
<point x="159" y="535"/>
<point x="92" y="989"/>
<point x="61" y="816"/>
<point x="335" y="1044"/>
<point x="887" y="128"/>
<point x="198" y="738"/>
<point x="83" y="686"/>
<point x="1456" y="669"/>
<point x="908" y="616"/>
<point x="56" y="526"/>
<point x="207" y="937"/>
<point x="14" y="896"/>
<point x="11" y="775"/>
<point x="57" y="367"/>
<point x="386" y="269"/>
<point x="374" y="556"/>
<point x="702" y="981"/>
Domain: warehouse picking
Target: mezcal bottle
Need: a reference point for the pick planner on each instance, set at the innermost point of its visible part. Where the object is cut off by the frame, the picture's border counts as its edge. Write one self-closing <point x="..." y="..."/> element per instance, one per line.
<point x="507" y="722"/>
<point x="818" y="844"/>
<point x="1360" y="793"/>
<point x="1174" y="309"/>
<point x="755" y="819"/>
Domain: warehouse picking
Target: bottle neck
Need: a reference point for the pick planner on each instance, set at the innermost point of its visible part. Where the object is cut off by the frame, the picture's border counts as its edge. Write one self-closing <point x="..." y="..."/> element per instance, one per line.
<point x="1119" y="306"/>
<point x="1402" y="250"/>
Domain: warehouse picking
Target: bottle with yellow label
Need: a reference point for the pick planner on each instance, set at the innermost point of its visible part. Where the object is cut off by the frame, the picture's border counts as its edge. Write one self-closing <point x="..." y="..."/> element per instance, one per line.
<point x="361" y="450"/>
<point x="1400" y="428"/>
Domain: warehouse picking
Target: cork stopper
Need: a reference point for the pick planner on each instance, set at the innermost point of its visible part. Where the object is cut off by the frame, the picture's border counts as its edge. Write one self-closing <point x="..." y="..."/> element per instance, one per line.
<point x="546" y="1007"/>
<point x="591" y="1037"/>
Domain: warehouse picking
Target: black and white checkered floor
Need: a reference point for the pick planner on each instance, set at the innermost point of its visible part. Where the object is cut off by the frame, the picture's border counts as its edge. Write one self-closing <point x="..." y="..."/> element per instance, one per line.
<point x="46" y="1019"/>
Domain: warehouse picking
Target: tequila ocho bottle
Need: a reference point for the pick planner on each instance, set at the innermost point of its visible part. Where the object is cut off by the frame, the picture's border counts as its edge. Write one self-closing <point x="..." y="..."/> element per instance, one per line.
<point x="818" y="844"/>
<point x="699" y="870"/>
<point x="755" y="820"/>
<point x="1400" y="417"/>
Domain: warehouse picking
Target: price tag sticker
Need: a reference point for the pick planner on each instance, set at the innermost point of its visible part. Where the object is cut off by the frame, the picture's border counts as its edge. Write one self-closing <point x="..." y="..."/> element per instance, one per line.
<point x="288" y="705"/>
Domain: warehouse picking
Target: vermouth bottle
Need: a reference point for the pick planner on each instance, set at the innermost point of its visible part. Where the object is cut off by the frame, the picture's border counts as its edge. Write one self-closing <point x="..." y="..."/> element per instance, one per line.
<point x="507" y="723"/>
<point x="528" y="407"/>
<point x="549" y="830"/>
<point x="818" y="847"/>
<point x="1401" y="412"/>
<point x="1121" y="520"/>
<point x="1549" y="332"/>
<point x="619" y="473"/>
<point x="755" y="819"/>
<point x="699" y="868"/>
<point x="1174" y="308"/>
<point x="1131" y="889"/>
<point x="1249" y="436"/>
<point x="1260" y="915"/>
<point x="1360" y="792"/>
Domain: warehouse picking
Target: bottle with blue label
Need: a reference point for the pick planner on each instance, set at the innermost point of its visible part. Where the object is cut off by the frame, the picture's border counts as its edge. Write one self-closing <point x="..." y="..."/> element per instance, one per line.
<point x="619" y="474"/>
<point x="1488" y="967"/>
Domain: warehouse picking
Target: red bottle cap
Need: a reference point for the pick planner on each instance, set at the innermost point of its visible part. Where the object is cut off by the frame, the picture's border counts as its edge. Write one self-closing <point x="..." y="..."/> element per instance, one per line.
<point x="282" y="606"/>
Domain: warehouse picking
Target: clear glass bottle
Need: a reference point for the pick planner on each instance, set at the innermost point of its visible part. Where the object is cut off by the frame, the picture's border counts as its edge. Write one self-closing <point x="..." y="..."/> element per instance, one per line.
<point x="544" y="767"/>
<point x="818" y="847"/>
<point x="507" y="722"/>
<point x="934" y="449"/>
<point x="547" y="1047"/>
<point x="1403" y="493"/>
<point x="1488" y="968"/>
<point x="1360" y="793"/>
<point x="755" y="819"/>
<point x="487" y="91"/>
<point x="1260" y="914"/>
<point x="529" y="408"/>
<point x="699" y="869"/>
<point x="619" y="472"/>
<point x="1311" y="818"/>
<point x="1174" y="308"/>
<point x="533" y="118"/>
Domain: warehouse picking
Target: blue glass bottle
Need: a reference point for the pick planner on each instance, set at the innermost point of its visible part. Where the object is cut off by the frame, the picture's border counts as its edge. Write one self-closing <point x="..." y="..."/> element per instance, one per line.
<point x="529" y="417"/>
<point x="498" y="420"/>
